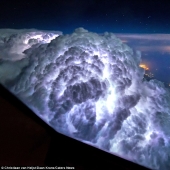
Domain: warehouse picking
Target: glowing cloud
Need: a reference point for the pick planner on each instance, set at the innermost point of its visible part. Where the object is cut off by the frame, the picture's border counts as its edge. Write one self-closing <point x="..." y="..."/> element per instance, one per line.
<point x="90" y="87"/>
<point x="144" y="66"/>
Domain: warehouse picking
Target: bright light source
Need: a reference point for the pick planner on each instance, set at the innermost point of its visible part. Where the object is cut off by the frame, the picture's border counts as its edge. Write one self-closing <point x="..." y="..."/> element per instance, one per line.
<point x="144" y="66"/>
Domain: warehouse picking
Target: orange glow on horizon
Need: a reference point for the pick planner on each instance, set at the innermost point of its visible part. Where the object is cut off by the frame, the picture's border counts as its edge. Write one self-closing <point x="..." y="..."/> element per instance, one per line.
<point x="145" y="67"/>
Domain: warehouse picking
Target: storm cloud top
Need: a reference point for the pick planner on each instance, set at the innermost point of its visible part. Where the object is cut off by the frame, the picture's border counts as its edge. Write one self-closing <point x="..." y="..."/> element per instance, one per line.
<point x="90" y="87"/>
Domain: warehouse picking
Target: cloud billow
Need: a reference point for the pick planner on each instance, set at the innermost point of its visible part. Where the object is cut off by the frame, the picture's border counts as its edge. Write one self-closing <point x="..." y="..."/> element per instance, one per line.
<point x="90" y="87"/>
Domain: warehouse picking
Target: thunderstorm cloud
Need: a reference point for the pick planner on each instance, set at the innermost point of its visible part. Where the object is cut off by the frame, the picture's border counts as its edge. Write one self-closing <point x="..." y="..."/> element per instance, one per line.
<point x="90" y="87"/>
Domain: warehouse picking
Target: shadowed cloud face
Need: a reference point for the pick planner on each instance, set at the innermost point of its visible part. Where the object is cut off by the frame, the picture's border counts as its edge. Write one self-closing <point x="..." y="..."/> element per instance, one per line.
<point x="91" y="88"/>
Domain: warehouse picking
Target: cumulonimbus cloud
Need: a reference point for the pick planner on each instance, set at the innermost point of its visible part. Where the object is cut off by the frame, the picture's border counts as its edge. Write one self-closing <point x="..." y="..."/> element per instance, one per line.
<point x="90" y="87"/>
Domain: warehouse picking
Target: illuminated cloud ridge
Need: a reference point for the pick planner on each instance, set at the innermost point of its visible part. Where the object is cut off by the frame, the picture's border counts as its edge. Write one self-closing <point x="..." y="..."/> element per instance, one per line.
<point x="90" y="87"/>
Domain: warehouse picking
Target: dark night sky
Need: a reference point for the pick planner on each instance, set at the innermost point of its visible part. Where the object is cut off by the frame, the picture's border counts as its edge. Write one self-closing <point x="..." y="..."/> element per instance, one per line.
<point x="128" y="16"/>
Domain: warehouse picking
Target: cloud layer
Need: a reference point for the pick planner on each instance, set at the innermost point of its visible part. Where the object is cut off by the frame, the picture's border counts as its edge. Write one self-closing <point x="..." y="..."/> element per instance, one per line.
<point x="90" y="87"/>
